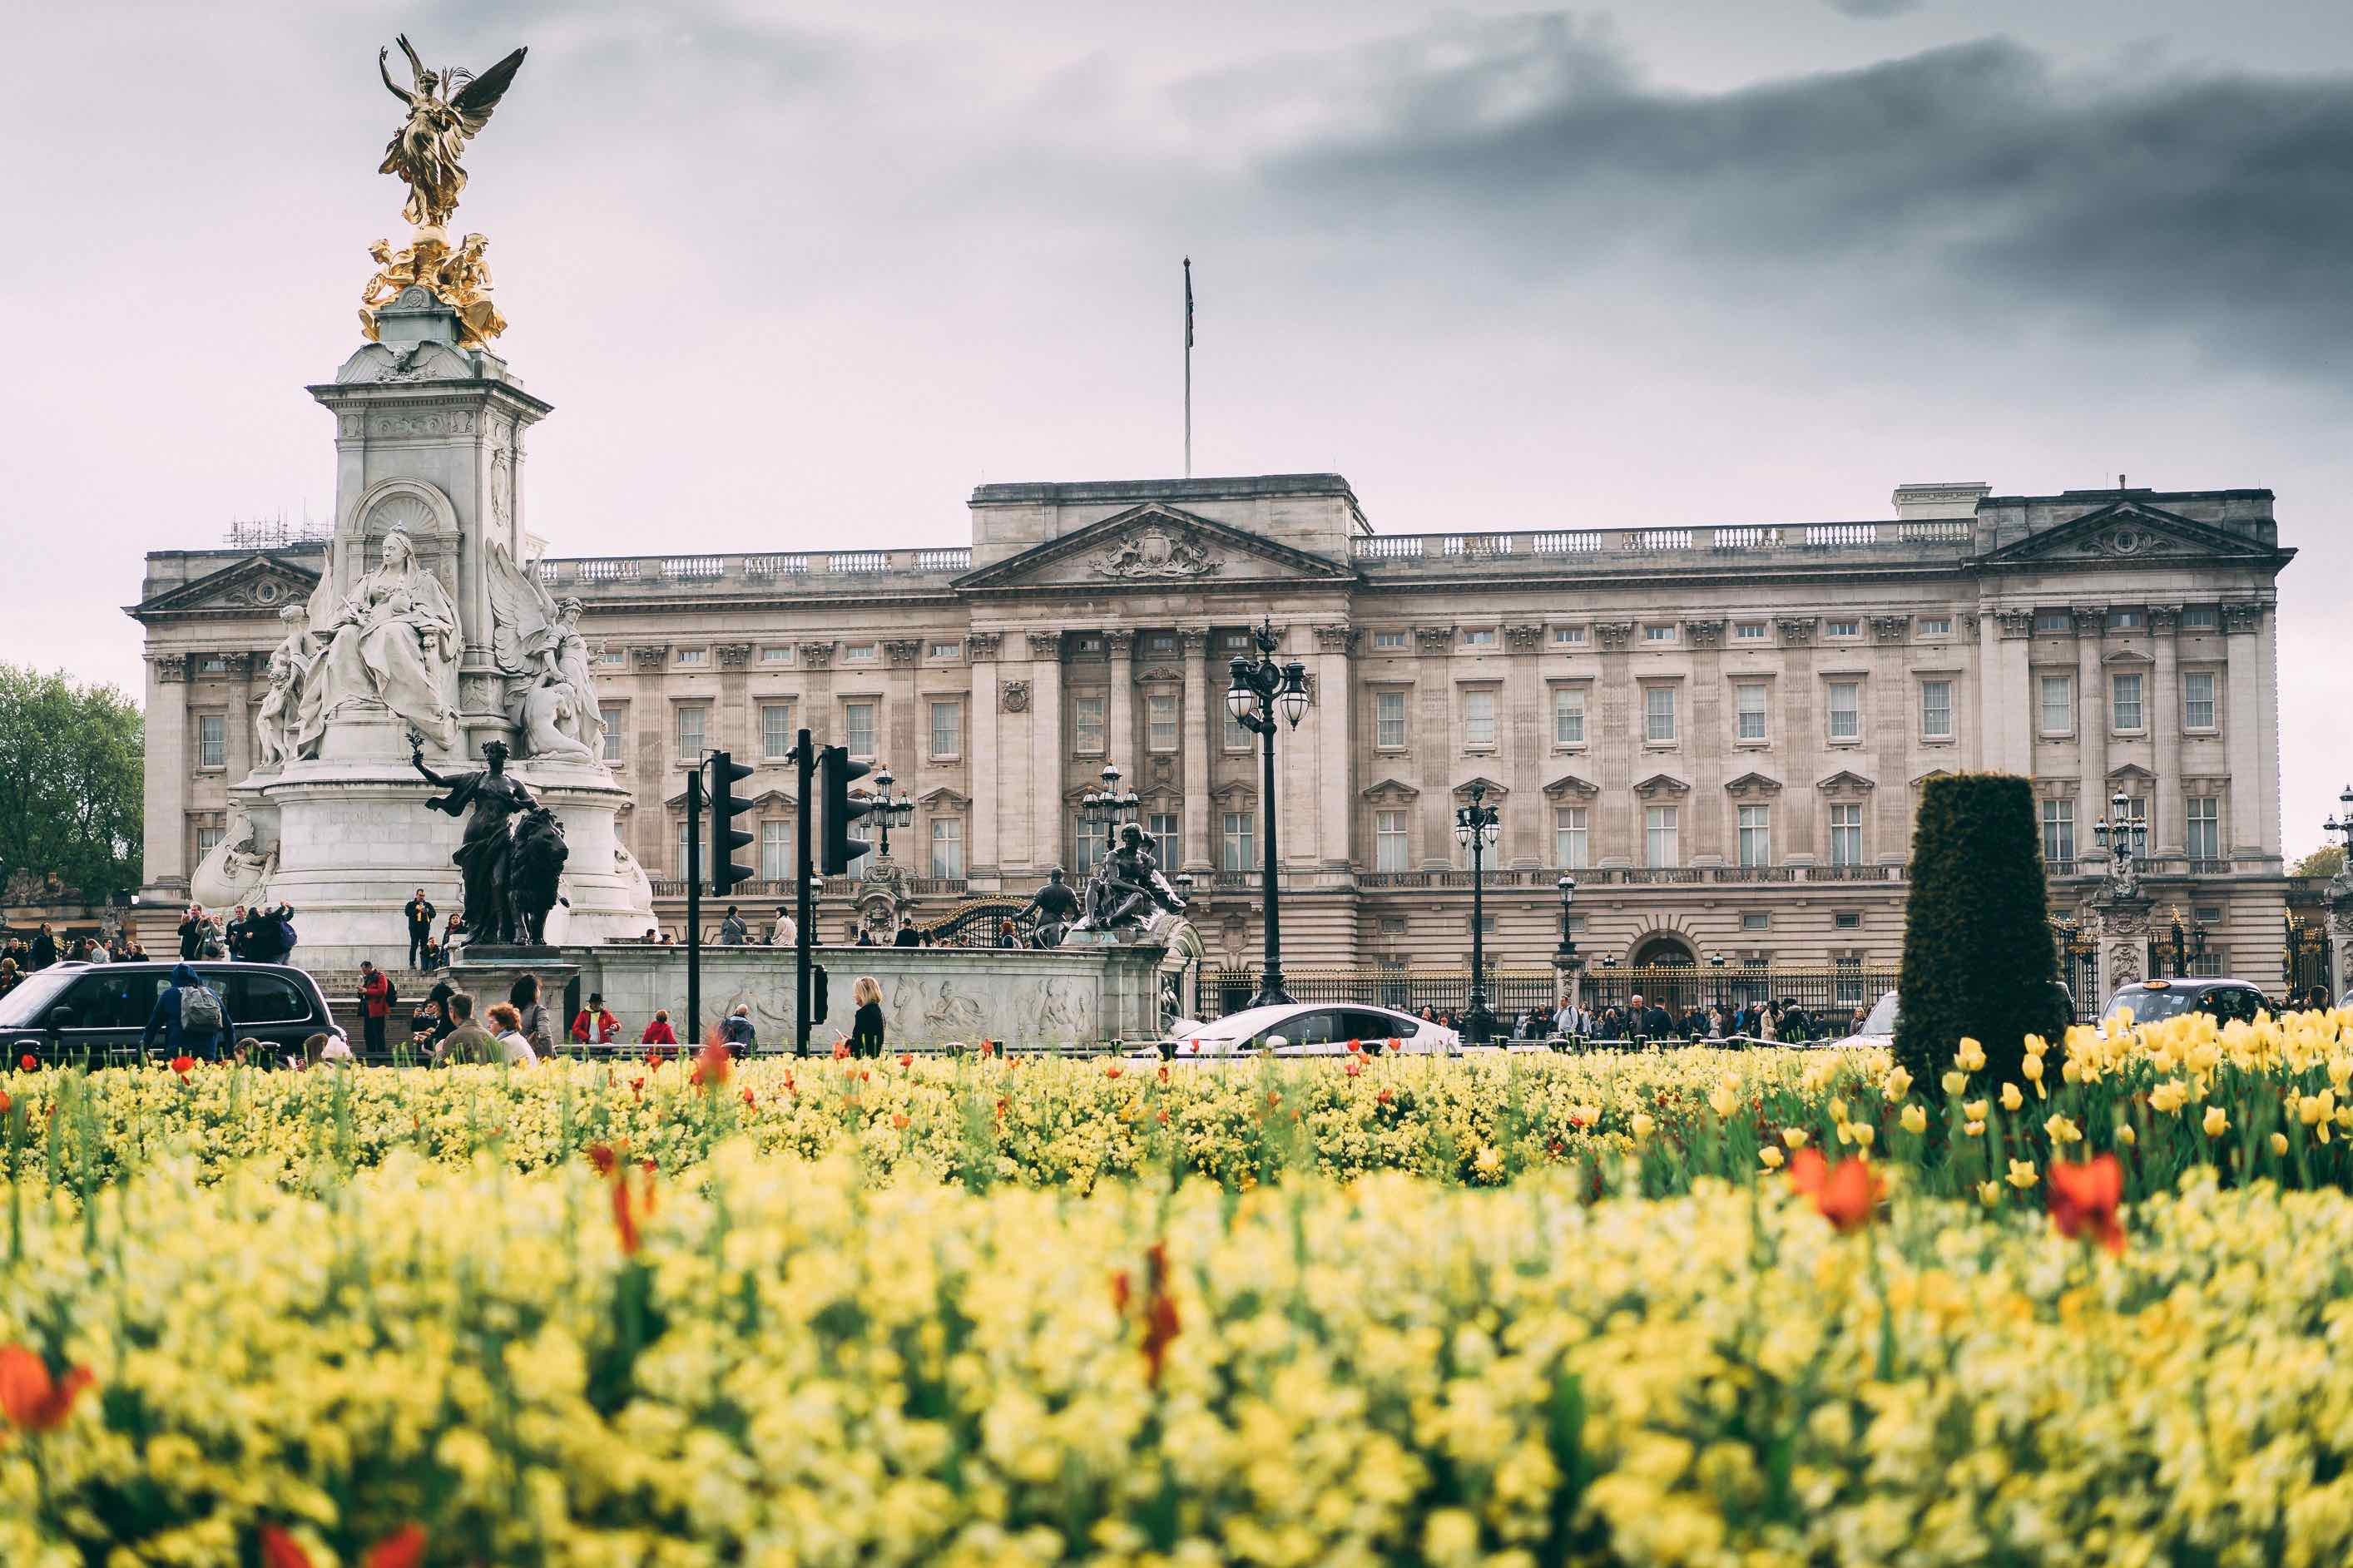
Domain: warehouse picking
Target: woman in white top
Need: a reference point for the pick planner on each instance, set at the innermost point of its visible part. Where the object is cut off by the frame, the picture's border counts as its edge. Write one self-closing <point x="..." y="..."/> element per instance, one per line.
<point x="506" y="1022"/>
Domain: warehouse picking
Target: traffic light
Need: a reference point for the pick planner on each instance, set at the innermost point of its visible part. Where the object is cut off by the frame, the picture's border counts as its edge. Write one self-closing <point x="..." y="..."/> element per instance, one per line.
<point x="726" y="839"/>
<point x="816" y="993"/>
<point x="834" y="771"/>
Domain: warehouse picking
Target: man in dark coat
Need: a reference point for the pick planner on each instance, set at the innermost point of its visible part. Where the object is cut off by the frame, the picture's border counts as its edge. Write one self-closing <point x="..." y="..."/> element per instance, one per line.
<point x="193" y="931"/>
<point x="420" y="913"/>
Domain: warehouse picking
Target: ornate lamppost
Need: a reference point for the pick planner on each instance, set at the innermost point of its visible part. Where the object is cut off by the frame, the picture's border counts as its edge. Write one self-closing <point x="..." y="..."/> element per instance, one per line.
<point x="1477" y="825"/>
<point x="1259" y="687"/>
<point x="2342" y="824"/>
<point x="2190" y="950"/>
<point x="1568" y="886"/>
<point x="2124" y="836"/>
<point x="1566" y="958"/>
<point x="1716" y="963"/>
<point x="890" y="810"/>
<point x="1109" y="806"/>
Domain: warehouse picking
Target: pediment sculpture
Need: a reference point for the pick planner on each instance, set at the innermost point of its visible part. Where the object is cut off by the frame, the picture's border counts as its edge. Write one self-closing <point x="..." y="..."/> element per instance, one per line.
<point x="1153" y="553"/>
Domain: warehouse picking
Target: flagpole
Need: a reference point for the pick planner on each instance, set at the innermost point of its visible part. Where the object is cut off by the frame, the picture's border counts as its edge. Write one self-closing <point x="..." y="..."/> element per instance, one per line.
<point x="1189" y="367"/>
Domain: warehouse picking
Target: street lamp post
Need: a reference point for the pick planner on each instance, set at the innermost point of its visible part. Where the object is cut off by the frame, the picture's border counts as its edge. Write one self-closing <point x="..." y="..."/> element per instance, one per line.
<point x="2342" y="824"/>
<point x="1259" y="687"/>
<point x="1716" y="962"/>
<point x="1477" y="825"/>
<point x="1568" y="886"/>
<point x="889" y="809"/>
<point x="2124" y="836"/>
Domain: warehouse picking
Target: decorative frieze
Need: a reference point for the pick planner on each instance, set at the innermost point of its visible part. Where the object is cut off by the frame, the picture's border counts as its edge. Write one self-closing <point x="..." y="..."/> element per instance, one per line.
<point x="1193" y="641"/>
<point x="2163" y="618"/>
<point x="1524" y="639"/>
<point x="172" y="669"/>
<point x="1119" y="642"/>
<point x="2091" y="620"/>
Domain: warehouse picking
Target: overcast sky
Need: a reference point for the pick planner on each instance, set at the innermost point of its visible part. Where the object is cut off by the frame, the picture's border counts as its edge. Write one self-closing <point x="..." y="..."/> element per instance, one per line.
<point x="803" y="276"/>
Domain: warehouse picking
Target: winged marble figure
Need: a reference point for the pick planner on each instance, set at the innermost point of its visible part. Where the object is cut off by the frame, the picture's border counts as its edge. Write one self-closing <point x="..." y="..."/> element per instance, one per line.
<point x="446" y="109"/>
<point x="535" y="640"/>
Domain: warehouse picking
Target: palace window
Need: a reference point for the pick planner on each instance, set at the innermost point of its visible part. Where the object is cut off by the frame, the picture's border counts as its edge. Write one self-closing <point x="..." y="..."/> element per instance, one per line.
<point x="692" y="655"/>
<point x="2205" y="836"/>
<point x="1478" y="719"/>
<point x="1160" y="642"/>
<point x="1748" y="631"/>
<point x="2053" y="621"/>
<point x="947" y="846"/>
<point x="1843" y="628"/>
<point x="685" y="848"/>
<point x="1661" y="836"/>
<point x="2058" y="831"/>
<point x="1756" y="919"/>
<point x="858" y="728"/>
<point x="1936" y="625"/>
<point x="1846" y="835"/>
<point x="1936" y="710"/>
<point x="776" y="851"/>
<point x="690" y="717"/>
<point x="2124" y="710"/>
<point x="1846" y="919"/>
<point x="1479" y="636"/>
<point x="1755" y="835"/>
<point x="1388" y="639"/>
<point x="1658" y="633"/>
<point x="1749" y="712"/>
<point x="1568" y="637"/>
<point x="2058" y="704"/>
<point x="1160" y="720"/>
<point x="947" y="727"/>
<point x="1235" y="738"/>
<point x="1846" y="709"/>
<point x="2198" y="700"/>
<point x="2201" y="618"/>
<point x="2125" y="620"/>
<point x="611" y="719"/>
<point x="948" y="651"/>
<point x="612" y="656"/>
<point x="1087" y="723"/>
<point x="1388" y="720"/>
<point x="1094" y="840"/>
<point x="1234" y="849"/>
<point x="776" y="731"/>
<point x="769" y="656"/>
<point x="857" y="653"/>
<point x="1161" y="826"/>
<point x="1569" y="843"/>
<point x="1659" y="714"/>
<point x="1388" y="841"/>
<point x="1568" y="716"/>
<point x="207" y="840"/>
<point x="212" y="740"/>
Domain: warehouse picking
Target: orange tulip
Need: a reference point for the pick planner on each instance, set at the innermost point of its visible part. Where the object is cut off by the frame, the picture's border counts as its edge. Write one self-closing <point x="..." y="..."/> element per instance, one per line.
<point x="712" y="1064"/>
<point x="404" y="1548"/>
<point x="31" y="1399"/>
<point x="279" y="1550"/>
<point x="1846" y="1193"/>
<point x="2083" y="1200"/>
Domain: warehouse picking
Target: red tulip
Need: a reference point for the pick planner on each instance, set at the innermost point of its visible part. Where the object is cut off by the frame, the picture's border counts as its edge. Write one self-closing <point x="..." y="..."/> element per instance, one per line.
<point x="906" y="1058"/>
<point x="31" y="1399"/>
<point x="1846" y="1193"/>
<point x="713" y="1064"/>
<point x="2083" y="1200"/>
<point x="404" y="1548"/>
<point x="1112" y="1071"/>
<point x="29" y="1062"/>
<point x="279" y="1550"/>
<point x="1355" y="1068"/>
<point x="183" y="1065"/>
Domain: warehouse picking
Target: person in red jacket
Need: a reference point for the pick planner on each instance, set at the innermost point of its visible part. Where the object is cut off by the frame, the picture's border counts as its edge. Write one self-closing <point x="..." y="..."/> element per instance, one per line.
<point x="659" y="1032"/>
<point x="377" y="999"/>
<point x="595" y="1025"/>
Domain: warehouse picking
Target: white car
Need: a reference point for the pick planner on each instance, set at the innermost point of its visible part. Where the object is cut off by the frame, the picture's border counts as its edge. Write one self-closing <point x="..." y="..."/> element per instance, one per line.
<point x="1878" y="1029"/>
<point x="1308" y="1029"/>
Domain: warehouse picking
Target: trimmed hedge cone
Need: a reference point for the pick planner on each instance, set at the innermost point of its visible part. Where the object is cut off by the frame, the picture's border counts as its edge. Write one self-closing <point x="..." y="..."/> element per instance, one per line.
<point x="1979" y="958"/>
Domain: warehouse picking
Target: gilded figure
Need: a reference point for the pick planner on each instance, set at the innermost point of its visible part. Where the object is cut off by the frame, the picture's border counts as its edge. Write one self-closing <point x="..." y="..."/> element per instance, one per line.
<point x="446" y="109"/>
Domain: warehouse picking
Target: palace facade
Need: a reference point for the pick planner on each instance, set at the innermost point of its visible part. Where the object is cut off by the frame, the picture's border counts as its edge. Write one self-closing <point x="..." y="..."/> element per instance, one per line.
<point x="1721" y="731"/>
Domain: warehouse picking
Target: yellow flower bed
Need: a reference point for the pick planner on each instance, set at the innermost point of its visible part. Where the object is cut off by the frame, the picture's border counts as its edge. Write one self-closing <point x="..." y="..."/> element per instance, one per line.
<point x="797" y="1367"/>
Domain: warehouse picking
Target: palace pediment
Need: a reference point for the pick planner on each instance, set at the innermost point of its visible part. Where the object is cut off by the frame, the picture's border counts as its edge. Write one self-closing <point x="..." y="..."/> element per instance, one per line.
<point x="2128" y="530"/>
<point x="261" y="583"/>
<point x="1153" y="546"/>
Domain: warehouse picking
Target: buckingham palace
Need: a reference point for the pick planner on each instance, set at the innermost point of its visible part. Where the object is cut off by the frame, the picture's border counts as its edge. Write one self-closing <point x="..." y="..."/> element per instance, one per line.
<point x="1721" y="731"/>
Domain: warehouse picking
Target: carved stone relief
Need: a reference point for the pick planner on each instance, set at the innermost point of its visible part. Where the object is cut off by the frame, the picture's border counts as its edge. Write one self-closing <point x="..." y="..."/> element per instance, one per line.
<point x="1013" y="696"/>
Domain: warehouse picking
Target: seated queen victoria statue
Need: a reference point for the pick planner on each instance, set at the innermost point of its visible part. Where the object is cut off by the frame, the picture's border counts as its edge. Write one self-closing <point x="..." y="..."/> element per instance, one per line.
<point x="395" y="641"/>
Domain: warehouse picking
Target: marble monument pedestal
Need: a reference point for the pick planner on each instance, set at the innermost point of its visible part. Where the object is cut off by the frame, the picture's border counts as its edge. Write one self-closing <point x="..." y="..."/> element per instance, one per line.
<point x="354" y="840"/>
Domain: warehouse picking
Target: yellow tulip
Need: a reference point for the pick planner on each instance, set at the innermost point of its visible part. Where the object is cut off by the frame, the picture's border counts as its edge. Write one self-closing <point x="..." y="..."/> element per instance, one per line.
<point x="2021" y="1174"/>
<point x="1642" y="1125"/>
<point x="1955" y="1081"/>
<point x="1897" y="1084"/>
<point x="1723" y="1103"/>
<point x="1988" y="1193"/>
<point x="2011" y="1098"/>
<point x="2061" y="1131"/>
<point x="1975" y="1110"/>
<point x="2125" y="1135"/>
<point x="1974" y="1128"/>
<point x="1862" y="1134"/>
<point x="2279" y="1143"/>
<point x="2032" y="1068"/>
<point x="1915" y="1120"/>
<point x="1795" y="1137"/>
<point x="2036" y="1044"/>
<point x="2169" y="1096"/>
<point x="1970" y="1057"/>
<point x="2217" y="1122"/>
<point x="1771" y="1156"/>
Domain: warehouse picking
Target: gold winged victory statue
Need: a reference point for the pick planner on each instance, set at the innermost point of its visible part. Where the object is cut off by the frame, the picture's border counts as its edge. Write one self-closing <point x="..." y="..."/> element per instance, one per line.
<point x="446" y="109"/>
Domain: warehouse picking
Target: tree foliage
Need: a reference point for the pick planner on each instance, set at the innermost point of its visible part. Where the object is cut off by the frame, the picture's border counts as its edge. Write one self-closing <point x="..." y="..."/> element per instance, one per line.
<point x="1978" y="959"/>
<point x="2325" y="861"/>
<point x="72" y="757"/>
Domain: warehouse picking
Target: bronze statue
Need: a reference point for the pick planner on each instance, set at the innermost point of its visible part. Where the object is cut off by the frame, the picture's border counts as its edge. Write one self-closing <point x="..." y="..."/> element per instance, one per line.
<point x="496" y="796"/>
<point x="528" y="875"/>
<point x="1128" y="887"/>
<point x="1056" y="907"/>
<point x="445" y="109"/>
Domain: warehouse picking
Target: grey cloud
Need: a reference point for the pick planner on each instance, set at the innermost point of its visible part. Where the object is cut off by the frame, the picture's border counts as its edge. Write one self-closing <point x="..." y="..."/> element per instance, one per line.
<point x="2214" y="204"/>
<point x="1874" y="10"/>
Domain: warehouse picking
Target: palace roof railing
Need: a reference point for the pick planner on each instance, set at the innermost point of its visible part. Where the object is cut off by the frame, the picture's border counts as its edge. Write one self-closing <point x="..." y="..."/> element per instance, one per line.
<point x="1938" y="540"/>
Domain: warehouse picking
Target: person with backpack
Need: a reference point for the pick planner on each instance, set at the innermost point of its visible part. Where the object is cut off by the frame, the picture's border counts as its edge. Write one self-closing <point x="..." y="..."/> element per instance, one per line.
<point x="190" y="1015"/>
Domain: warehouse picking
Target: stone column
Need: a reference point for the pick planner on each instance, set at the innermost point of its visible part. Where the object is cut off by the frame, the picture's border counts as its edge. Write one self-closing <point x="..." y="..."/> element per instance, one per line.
<point x="817" y="691"/>
<point x="1046" y="816"/>
<point x="988" y="781"/>
<point x="1614" y="827"/>
<point x="1708" y="833"/>
<point x="2169" y="823"/>
<point x="656" y="844"/>
<point x="732" y="727"/>
<point x="1203" y="697"/>
<point x="2006" y="694"/>
<point x="1893" y="719"/>
<point x="1120" y="743"/>
<point x="163" y="835"/>
<point x="904" y="741"/>
<point x="2092" y="709"/>
<point x="2252" y="639"/>
<point x="242" y="667"/>
<point x="1336" y="714"/>
<point x="1527" y="741"/>
<point x="1432" y="741"/>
